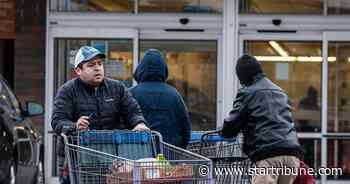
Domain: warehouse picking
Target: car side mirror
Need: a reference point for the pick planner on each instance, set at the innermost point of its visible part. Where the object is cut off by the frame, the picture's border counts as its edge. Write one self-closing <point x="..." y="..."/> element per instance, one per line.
<point x="34" y="109"/>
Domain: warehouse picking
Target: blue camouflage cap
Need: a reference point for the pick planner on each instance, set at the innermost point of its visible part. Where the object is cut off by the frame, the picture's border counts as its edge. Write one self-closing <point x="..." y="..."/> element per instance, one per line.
<point x="86" y="53"/>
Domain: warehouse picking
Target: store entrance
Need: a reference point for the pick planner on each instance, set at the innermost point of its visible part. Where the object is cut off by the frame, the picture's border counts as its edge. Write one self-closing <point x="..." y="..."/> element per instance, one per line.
<point x="193" y="63"/>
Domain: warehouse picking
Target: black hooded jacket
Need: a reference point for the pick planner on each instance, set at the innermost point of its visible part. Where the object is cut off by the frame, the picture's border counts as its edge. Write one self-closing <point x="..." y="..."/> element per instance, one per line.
<point x="161" y="104"/>
<point x="262" y="112"/>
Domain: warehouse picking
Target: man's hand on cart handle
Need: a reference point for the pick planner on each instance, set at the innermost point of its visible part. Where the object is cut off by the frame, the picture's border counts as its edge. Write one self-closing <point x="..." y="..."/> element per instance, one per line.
<point x="83" y="123"/>
<point x="141" y="127"/>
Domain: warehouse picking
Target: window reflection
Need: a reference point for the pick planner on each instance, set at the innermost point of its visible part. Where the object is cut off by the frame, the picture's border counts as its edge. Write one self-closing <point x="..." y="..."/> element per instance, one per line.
<point x="338" y="7"/>
<point x="338" y="87"/>
<point x="190" y="6"/>
<point x="8" y="99"/>
<point x="338" y="151"/>
<point x="281" y="6"/>
<point x="192" y="70"/>
<point x="296" y="66"/>
<point x="128" y="6"/>
<point x="92" y="5"/>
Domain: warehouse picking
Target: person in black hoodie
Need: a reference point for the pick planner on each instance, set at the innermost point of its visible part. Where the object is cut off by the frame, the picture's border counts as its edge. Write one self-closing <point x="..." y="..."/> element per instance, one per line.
<point x="262" y="112"/>
<point x="161" y="104"/>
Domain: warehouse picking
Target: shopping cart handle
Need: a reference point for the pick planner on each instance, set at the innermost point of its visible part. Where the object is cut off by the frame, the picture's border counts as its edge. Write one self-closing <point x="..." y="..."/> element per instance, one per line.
<point x="209" y="136"/>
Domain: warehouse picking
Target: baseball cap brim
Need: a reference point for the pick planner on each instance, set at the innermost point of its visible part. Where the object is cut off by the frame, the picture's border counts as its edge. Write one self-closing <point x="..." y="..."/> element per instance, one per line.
<point x="102" y="56"/>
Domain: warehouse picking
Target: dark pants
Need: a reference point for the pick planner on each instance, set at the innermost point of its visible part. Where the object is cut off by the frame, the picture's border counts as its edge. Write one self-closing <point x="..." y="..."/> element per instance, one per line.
<point x="63" y="179"/>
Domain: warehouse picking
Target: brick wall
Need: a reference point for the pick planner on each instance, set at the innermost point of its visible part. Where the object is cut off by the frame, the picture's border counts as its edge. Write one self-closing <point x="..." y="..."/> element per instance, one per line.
<point x="29" y="71"/>
<point x="7" y="19"/>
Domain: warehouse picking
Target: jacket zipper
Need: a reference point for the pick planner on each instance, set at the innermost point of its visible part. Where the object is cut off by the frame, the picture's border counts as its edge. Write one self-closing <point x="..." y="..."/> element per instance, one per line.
<point x="98" y="114"/>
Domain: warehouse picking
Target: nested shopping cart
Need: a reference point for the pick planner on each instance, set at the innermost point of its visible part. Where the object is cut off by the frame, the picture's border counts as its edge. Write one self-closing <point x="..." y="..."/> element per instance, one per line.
<point x="230" y="164"/>
<point x="127" y="157"/>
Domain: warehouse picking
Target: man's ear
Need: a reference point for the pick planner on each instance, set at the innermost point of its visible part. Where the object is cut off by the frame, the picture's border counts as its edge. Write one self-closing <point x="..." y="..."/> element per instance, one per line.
<point x="77" y="70"/>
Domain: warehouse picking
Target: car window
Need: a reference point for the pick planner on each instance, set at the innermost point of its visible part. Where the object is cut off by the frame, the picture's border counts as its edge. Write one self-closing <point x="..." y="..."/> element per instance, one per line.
<point x="4" y="98"/>
<point x="7" y="98"/>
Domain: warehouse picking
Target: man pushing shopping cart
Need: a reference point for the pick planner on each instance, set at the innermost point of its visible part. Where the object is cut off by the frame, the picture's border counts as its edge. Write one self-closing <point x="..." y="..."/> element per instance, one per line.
<point x="91" y="101"/>
<point x="263" y="113"/>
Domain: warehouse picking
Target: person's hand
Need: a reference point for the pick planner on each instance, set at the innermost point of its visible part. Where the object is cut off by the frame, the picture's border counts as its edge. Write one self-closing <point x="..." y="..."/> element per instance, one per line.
<point x="83" y="123"/>
<point x="140" y="127"/>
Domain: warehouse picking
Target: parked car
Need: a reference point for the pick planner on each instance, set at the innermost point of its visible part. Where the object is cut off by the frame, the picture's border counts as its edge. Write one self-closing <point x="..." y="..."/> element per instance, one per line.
<point x="21" y="148"/>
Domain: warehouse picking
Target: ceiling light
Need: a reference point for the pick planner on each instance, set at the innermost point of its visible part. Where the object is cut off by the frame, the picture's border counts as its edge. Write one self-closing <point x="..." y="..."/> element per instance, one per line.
<point x="275" y="58"/>
<point x="292" y="58"/>
<point x="278" y="49"/>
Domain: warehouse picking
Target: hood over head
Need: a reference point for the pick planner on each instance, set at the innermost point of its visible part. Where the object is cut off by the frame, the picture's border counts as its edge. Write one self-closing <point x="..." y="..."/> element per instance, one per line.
<point x="152" y="67"/>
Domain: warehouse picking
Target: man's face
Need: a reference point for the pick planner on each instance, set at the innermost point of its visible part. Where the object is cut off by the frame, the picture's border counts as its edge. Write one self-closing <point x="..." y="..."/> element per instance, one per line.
<point x="92" y="71"/>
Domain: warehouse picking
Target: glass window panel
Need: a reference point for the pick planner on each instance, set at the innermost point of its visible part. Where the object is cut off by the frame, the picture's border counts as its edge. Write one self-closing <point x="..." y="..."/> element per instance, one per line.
<point x="92" y="5"/>
<point x="281" y="6"/>
<point x="118" y="64"/>
<point x="338" y="7"/>
<point x="189" y="6"/>
<point x="296" y="66"/>
<point x="338" y="87"/>
<point x="192" y="70"/>
<point x="312" y="152"/>
<point x="338" y="152"/>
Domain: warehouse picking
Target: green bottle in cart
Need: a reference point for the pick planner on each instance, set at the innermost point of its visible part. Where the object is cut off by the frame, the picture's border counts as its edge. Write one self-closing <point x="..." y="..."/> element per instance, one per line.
<point x="164" y="164"/>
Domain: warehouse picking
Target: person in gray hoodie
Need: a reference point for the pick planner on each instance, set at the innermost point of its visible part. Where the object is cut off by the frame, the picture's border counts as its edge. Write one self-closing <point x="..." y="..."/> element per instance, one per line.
<point x="161" y="104"/>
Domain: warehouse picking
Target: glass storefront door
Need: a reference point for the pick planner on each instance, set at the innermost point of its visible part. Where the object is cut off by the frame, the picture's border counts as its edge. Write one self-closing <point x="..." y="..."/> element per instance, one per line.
<point x="296" y="66"/>
<point x="193" y="72"/>
<point x="338" y="119"/>
<point x="314" y="85"/>
<point x="338" y="87"/>
<point x="193" y="66"/>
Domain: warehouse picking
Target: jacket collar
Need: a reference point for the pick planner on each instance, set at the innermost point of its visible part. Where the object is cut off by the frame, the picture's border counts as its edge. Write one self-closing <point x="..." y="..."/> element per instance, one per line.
<point x="89" y="88"/>
<point x="256" y="78"/>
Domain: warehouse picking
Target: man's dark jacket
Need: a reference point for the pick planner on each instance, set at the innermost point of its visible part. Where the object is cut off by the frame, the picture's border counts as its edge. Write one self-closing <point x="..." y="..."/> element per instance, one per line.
<point x="261" y="110"/>
<point x="161" y="104"/>
<point x="105" y="106"/>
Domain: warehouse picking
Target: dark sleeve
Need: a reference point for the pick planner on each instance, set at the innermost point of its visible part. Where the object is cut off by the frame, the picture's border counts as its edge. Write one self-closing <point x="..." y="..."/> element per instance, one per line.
<point x="62" y="115"/>
<point x="237" y="117"/>
<point x="130" y="109"/>
<point x="185" y="123"/>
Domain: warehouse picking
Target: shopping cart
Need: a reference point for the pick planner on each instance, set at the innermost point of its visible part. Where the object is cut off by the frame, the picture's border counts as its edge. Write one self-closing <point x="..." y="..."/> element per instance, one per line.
<point x="231" y="165"/>
<point x="126" y="157"/>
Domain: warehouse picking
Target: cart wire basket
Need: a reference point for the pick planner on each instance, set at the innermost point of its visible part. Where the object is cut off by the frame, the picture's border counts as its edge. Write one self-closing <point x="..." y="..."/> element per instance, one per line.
<point x="128" y="157"/>
<point x="230" y="164"/>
